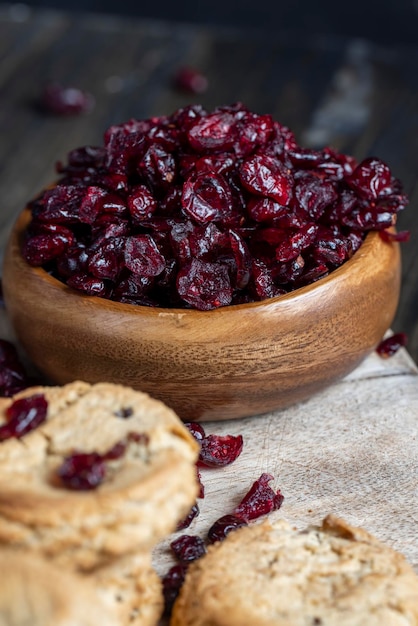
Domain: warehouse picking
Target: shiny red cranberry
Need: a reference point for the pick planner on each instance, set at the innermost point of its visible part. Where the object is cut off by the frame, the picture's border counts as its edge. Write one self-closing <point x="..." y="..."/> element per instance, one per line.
<point x="172" y="582"/>
<point x="223" y="526"/>
<point x="196" y="430"/>
<point x="23" y="416"/>
<point x="260" y="500"/>
<point x="390" y="346"/>
<point x="190" y="80"/>
<point x="82" y="471"/>
<point x="60" y="100"/>
<point x="193" y="513"/>
<point x="266" y="176"/>
<point x="219" y="451"/>
<point x="188" y="548"/>
<point x="401" y="236"/>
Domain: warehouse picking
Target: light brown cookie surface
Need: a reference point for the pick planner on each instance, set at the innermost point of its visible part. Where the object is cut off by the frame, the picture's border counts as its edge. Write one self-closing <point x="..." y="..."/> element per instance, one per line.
<point x="144" y="494"/>
<point x="35" y="593"/>
<point x="272" y="575"/>
<point x="131" y="588"/>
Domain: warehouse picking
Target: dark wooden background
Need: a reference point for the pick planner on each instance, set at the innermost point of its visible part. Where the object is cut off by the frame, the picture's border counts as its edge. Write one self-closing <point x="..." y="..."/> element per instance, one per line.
<point x="359" y="95"/>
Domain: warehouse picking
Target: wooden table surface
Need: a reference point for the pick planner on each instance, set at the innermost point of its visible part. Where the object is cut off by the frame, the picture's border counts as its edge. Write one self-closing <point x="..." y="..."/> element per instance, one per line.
<point x="351" y="94"/>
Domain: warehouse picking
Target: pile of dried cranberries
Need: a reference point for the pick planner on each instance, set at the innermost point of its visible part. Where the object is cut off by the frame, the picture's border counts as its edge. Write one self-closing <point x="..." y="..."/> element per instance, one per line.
<point x="205" y="209"/>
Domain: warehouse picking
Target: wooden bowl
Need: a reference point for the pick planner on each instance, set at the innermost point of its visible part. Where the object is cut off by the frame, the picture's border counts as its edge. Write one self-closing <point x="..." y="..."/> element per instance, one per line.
<point x="227" y="363"/>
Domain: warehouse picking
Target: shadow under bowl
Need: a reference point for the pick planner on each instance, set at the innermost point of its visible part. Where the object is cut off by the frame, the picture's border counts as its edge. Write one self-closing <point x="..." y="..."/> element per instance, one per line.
<point x="208" y="365"/>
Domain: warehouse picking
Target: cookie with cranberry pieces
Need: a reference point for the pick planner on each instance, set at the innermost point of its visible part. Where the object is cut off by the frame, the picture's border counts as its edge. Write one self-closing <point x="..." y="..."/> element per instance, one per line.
<point x="89" y="473"/>
<point x="273" y="575"/>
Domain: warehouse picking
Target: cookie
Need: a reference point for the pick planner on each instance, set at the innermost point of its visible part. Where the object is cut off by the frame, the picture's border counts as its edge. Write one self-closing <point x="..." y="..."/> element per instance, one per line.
<point x="33" y="592"/>
<point x="145" y="492"/>
<point x="131" y="588"/>
<point x="273" y="575"/>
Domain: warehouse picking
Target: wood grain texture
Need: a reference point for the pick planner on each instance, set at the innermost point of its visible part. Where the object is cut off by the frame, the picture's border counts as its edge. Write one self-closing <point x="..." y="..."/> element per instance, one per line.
<point x="351" y="450"/>
<point x="227" y="363"/>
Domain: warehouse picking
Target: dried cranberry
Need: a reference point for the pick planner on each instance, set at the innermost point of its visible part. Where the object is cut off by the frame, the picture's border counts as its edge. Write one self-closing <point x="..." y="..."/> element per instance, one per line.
<point x="206" y="197"/>
<point x="82" y="471"/>
<point x="41" y="249"/>
<point x="143" y="257"/>
<point x="24" y="415"/>
<point x="190" y="80"/>
<point x="61" y="100"/>
<point x="215" y="131"/>
<point x="260" y="500"/>
<point x="204" y="285"/>
<point x="219" y="451"/>
<point x="172" y="582"/>
<point x="196" y="430"/>
<point x="401" y="236"/>
<point x="389" y="346"/>
<point x="188" y="548"/>
<point x="266" y="176"/>
<point x="372" y="179"/>
<point x="193" y="513"/>
<point x="223" y="526"/>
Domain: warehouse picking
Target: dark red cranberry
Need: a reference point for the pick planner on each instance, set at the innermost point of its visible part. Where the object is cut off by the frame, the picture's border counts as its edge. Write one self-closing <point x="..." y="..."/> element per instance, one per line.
<point x="23" y="416"/>
<point x="223" y="526"/>
<point x="60" y="100"/>
<point x="372" y="179"/>
<point x="205" y="286"/>
<point x="190" y="80"/>
<point x="389" y="346"/>
<point x="266" y="176"/>
<point x="188" y="548"/>
<point x="82" y="471"/>
<point x="42" y="248"/>
<point x="172" y="582"/>
<point x="401" y="236"/>
<point x="143" y="257"/>
<point x="219" y="451"/>
<point x="193" y="513"/>
<point x="206" y="197"/>
<point x="196" y="430"/>
<point x="260" y="500"/>
<point x="213" y="132"/>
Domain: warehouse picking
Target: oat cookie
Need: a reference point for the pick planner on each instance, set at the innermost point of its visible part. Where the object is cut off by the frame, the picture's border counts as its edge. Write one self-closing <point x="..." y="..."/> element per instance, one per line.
<point x="34" y="592"/>
<point x="273" y="575"/>
<point x="130" y="587"/>
<point x="144" y="494"/>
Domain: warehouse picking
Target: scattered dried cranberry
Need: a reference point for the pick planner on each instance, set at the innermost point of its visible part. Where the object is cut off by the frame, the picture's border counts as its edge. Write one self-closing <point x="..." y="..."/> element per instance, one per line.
<point x="190" y="80"/>
<point x="260" y="500"/>
<point x="172" y="583"/>
<point x="196" y="430"/>
<point x="205" y="209"/>
<point x="185" y="523"/>
<point x="188" y="548"/>
<point x="60" y="100"/>
<point x="218" y="450"/>
<point x="223" y="526"/>
<point x="389" y="346"/>
<point x="13" y="376"/>
<point x="24" y="415"/>
<point x="401" y="236"/>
